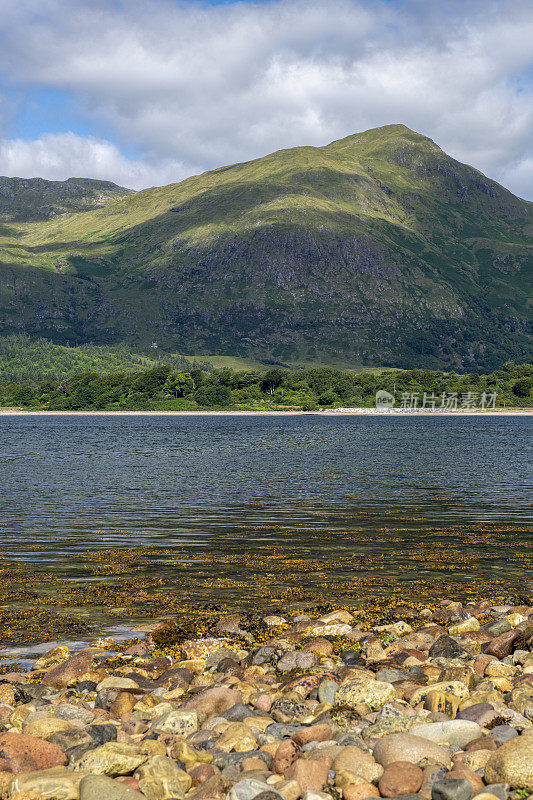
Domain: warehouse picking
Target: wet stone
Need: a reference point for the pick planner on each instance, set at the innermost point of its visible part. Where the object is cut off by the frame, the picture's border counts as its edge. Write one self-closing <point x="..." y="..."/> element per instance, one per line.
<point x="451" y="789"/>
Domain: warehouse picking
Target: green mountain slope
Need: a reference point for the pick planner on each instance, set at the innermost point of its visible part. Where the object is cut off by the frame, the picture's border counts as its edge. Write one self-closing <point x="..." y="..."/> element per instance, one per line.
<point x="33" y="199"/>
<point x="377" y="249"/>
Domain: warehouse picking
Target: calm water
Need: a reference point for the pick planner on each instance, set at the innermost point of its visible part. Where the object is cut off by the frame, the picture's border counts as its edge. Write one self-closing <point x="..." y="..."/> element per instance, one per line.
<point x="384" y="489"/>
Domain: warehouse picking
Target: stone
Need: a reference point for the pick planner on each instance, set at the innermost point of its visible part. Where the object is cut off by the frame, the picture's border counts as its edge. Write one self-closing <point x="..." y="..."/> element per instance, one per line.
<point x="310" y="774"/>
<point x="503" y="733"/>
<point x="458" y="732"/>
<point x="446" y="647"/>
<point x="361" y="763"/>
<point x="100" y="787"/>
<point x="512" y="763"/>
<point x="502" y="645"/>
<point x="201" y="648"/>
<point x="213" y="701"/>
<point x="320" y="646"/>
<point x="297" y="659"/>
<point x="470" y="624"/>
<point x="313" y="733"/>
<point x="287" y="752"/>
<point x="451" y="789"/>
<point x="327" y="691"/>
<point x="47" y="726"/>
<point x="58" y="783"/>
<point x="22" y="753"/>
<point x="160" y="778"/>
<point x="463" y="773"/>
<point x="407" y="747"/>
<point x="440" y="702"/>
<point x="211" y="789"/>
<point x="237" y="737"/>
<point x="248" y="789"/>
<point x="53" y="656"/>
<point x="179" y="723"/>
<point x="372" y="693"/>
<point x="477" y="759"/>
<point x="68" y="672"/>
<point x="400" y="777"/>
<point x="113" y="758"/>
<point x="432" y="774"/>
<point x="455" y="688"/>
<point x="359" y="791"/>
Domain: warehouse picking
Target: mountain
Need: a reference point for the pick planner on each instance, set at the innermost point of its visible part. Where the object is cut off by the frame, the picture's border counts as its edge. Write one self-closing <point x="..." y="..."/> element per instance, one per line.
<point x="378" y="249"/>
<point x="32" y="199"/>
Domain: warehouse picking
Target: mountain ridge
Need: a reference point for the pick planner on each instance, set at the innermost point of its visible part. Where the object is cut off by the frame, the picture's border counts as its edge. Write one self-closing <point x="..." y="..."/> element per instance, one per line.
<point x="375" y="249"/>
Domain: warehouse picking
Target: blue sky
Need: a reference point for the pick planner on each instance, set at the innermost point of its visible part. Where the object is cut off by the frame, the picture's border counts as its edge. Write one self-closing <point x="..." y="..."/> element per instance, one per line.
<point x="149" y="93"/>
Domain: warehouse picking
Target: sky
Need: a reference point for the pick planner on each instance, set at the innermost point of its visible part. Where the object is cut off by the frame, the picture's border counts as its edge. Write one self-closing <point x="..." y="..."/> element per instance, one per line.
<point x="148" y="92"/>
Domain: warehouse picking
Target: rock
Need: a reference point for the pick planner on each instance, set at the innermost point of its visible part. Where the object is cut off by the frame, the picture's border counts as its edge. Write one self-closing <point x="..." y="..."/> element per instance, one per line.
<point x="310" y="774"/>
<point x="458" y="732"/>
<point x="179" y="723"/>
<point x="359" y="762"/>
<point x="477" y="759"/>
<point x="237" y="737"/>
<point x="451" y="789"/>
<point x="455" y="688"/>
<point x="327" y="691"/>
<point x="213" y="701"/>
<point x="47" y="726"/>
<point x="400" y="777"/>
<point x="22" y="753"/>
<point x="100" y="787"/>
<point x="320" y="646"/>
<point x="503" y="733"/>
<point x="201" y="648"/>
<point x="58" y="783"/>
<point x="69" y="672"/>
<point x="287" y="752"/>
<point x="446" y="647"/>
<point x="512" y="763"/>
<point x="313" y="733"/>
<point x="406" y="747"/>
<point x="297" y="659"/>
<point x="432" y="774"/>
<point x="52" y="657"/>
<point x="502" y="645"/>
<point x="112" y="759"/>
<point x="161" y="778"/>
<point x="365" y="690"/>
<point x="461" y="772"/>
<point x="248" y="789"/>
<point x="211" y="789"/>
<point x="359" y="791"/>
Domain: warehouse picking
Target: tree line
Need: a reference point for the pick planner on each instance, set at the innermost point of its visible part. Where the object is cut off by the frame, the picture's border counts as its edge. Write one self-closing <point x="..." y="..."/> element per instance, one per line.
<point x="164" y="388"/>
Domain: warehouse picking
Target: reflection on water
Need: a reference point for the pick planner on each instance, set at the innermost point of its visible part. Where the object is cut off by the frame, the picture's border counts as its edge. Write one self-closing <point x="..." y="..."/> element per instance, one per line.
<point x="219" y="504"/>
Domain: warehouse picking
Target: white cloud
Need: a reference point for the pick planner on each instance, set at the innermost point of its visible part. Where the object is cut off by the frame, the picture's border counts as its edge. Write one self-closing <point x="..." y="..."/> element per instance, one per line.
<point x="193" y="86"/>
<point x="65" y="155"/>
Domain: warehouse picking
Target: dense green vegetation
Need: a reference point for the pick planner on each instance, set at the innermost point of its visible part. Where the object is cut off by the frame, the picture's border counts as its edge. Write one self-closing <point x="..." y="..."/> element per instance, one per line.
<point x="378" y="249"/>
<point x="24" y="360"/>
<point x="162" y="388"/>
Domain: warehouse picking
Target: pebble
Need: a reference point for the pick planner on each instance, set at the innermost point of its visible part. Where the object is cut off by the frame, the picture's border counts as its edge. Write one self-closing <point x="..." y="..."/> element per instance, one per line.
<point x="410" y="709"/>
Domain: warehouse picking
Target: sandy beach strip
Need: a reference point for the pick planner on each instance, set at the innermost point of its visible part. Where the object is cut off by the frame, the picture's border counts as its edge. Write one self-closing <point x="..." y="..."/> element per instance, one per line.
<point x="395" y="413"/>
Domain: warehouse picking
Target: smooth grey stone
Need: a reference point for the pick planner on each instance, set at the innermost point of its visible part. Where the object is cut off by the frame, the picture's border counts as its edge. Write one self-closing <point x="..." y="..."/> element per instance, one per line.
<point x="282" y="730"/>
<point x="390" y="675"/>
<point x="451" y="789"/>
<point x="327" y="691"/>
<point x="503" y="733"/>
<point x="250" y="788"/>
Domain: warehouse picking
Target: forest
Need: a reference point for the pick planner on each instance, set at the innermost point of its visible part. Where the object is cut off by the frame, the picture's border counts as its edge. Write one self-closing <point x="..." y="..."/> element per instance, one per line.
<point x="119" y="380"/>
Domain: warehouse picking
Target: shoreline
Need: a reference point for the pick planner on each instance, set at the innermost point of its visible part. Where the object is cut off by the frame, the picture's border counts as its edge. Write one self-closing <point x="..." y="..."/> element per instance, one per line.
<point x="339" y="702"/>
<point x="356" y="412"/>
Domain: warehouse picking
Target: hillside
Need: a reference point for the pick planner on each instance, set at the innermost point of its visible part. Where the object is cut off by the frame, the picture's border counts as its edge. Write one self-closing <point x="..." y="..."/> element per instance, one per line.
<point x="378" y="249"/>
<point x="33" y="199"/>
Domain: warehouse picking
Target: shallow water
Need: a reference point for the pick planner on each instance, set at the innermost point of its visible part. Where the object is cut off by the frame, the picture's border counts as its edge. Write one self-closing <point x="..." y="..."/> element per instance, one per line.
<point x="216" y="503"/>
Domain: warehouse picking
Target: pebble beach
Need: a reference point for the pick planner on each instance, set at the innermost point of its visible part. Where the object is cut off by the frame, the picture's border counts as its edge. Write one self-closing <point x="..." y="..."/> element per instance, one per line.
<point x="430" y="704"/>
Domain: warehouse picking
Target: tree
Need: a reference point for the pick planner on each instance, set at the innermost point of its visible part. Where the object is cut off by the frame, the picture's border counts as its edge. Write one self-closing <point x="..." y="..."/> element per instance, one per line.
<point x="273" y="378"/>
<point x="178" y="384"/>
<point x="213" y="396"/>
